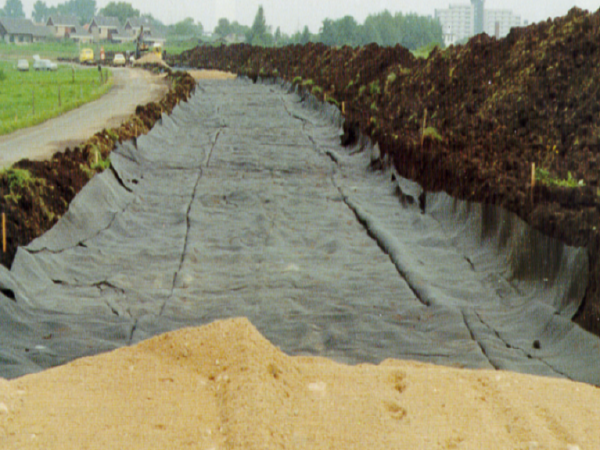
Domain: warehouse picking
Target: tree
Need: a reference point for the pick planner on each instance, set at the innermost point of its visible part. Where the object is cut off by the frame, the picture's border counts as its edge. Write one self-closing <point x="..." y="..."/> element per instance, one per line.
<point x="84" y="10"/>
<point x="305" y="37"/>
<point x="40" y="11"/>
<point x="120" y="10"/>
<point x="223" y="28"/>
<point x="347" y="31"/>
<point x="186" y="27"/>
<point x="13" y="8"/>
<point x="259" y="32"/>
<point x="277" y="36"/>
<point x="328" y="35"/>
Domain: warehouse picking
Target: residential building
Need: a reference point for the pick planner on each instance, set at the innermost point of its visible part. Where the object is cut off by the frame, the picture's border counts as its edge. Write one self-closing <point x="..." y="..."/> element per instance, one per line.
<point x="504" y="18"/>
<point x="133" y="27"/>
<point x="458" y="21"/>
<point x="22" y="31"/>
<point x="105" y="28"/>
<point x="62" y="26"/>
<point x="83" y="35"/>
<point x="478" y="16"/>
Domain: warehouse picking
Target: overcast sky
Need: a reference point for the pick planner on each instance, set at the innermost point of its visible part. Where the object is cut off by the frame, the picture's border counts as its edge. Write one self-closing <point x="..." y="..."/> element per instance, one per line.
<point x="292" y="15"/>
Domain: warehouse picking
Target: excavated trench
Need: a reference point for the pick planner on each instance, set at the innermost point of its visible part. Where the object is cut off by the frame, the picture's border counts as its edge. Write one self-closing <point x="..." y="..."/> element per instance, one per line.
<point x="243" y="203"/>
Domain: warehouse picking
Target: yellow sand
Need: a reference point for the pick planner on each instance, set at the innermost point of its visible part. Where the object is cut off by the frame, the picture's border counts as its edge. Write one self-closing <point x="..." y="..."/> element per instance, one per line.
<point x="223" y="386"/>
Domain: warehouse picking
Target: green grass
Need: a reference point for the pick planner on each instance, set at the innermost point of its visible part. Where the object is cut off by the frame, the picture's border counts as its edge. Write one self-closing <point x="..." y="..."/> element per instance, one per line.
<point x="18" y="90"/>
<point x="543" y="176"/>
<point x="432" y="133"/>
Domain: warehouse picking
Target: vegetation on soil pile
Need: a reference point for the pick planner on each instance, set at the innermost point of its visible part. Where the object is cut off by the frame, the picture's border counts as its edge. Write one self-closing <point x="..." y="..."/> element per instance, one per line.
<point x="471" y="120"/>
<point x="29" y="98"/>
<point x="35" y="194"/>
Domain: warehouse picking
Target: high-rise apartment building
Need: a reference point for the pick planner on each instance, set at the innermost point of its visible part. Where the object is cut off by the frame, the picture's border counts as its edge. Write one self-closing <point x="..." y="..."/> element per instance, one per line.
<point x="504" y="18"/>
<point x="456" y="21"/>
<point x="459" y="21"/>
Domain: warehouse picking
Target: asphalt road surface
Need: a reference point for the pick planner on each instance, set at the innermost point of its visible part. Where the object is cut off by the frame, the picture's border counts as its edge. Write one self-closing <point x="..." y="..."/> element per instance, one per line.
<point x="132" y="87"/>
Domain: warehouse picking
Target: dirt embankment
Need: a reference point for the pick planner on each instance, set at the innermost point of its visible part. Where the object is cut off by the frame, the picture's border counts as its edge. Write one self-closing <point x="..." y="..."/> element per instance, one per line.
<point x="33" y="204"/>
<point x="471" y="120"/>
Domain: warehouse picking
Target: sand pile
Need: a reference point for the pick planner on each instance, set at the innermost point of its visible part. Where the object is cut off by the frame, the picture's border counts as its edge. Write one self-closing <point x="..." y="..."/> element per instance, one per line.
<point x="224" y="386"/>
<point x="150" y="58"/>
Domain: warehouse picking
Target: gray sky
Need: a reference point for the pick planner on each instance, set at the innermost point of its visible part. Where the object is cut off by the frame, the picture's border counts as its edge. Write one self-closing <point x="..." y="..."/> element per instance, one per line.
<point x="294" y="14"/>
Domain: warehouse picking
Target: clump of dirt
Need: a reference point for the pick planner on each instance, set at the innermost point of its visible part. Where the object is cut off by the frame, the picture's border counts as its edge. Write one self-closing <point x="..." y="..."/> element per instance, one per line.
<point x="35" y="194"/>
<point x="470" y="120"/>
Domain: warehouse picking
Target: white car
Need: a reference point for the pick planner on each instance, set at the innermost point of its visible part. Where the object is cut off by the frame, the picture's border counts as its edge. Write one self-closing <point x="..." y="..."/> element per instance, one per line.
<point x="43" y="64"/>
<point x="23" y="65"/>
<point x="119" y="60"/>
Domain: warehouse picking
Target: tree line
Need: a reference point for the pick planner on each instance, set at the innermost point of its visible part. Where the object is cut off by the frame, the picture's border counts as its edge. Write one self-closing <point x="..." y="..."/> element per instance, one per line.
<point x="411" y="30"/>
<point x="386" y="29"/>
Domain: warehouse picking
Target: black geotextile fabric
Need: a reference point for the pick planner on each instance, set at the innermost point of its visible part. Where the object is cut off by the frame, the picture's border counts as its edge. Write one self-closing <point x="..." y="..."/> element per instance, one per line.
<point x="243" y="203"/>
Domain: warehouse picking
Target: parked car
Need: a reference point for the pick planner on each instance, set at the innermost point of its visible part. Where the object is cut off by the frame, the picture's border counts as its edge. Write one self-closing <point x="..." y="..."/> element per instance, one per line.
<point x="119" y="60"/>
<point x="86" y="56"/>
<point x="23" y="65"/>
<point x="43" y="64"/>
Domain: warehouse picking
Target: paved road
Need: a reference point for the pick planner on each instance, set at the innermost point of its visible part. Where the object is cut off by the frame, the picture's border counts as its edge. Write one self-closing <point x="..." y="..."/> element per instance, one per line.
<point x="243" y="203"/>
<point x="132" y="87"/>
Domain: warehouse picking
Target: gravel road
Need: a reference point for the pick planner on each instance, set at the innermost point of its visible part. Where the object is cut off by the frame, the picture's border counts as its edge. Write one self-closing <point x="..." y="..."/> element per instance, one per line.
<point x="132" y="87"/>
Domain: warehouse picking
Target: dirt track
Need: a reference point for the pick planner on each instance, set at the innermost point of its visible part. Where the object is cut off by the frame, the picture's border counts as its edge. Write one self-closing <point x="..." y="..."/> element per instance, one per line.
<point x="132" y="87"/>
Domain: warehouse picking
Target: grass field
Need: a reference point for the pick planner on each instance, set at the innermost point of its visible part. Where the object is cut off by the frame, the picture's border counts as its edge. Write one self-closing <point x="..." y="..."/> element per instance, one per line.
<point x="29" y="98"/>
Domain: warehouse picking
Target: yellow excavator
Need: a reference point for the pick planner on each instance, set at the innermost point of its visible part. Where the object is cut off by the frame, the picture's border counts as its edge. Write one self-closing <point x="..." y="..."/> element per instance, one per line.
<point x="141" y="47"/>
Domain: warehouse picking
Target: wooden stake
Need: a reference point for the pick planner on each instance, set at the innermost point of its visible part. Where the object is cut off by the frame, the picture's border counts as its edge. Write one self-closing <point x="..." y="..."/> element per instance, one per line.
<point x="3" y="232"/>
<point x="424" y="125"/>
<point x="343" y="107"/>
<point x="532" y="180"/>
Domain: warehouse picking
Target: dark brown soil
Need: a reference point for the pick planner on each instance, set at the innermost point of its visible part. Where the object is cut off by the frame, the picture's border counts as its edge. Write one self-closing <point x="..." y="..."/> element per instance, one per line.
<point x="497" y="106"/>
<point x="34" y="207"/>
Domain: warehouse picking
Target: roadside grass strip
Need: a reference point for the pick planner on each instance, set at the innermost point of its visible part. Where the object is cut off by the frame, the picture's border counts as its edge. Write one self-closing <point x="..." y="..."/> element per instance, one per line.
<point x="30" y="98"/>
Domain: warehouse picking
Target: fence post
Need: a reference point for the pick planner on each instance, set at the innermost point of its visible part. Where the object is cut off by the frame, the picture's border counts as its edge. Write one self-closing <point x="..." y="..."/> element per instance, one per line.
<point x="3" y="232"/>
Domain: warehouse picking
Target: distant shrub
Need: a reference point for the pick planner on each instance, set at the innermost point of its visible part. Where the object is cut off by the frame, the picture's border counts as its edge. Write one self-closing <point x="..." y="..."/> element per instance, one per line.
<point x="317" y="90"/>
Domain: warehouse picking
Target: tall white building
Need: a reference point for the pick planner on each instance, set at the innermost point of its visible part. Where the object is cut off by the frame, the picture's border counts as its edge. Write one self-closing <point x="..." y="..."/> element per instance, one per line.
<point x="505" y="19"/>
<point x="458" y="22"/>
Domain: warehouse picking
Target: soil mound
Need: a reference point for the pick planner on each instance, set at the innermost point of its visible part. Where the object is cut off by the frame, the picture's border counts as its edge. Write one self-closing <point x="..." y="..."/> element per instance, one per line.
<point x="472" y="120"/>
<point x="224" y="385"/>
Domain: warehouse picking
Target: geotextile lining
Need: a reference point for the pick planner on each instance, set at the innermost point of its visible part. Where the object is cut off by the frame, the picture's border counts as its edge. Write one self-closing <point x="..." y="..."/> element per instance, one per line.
<point x="243" y="203"/>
